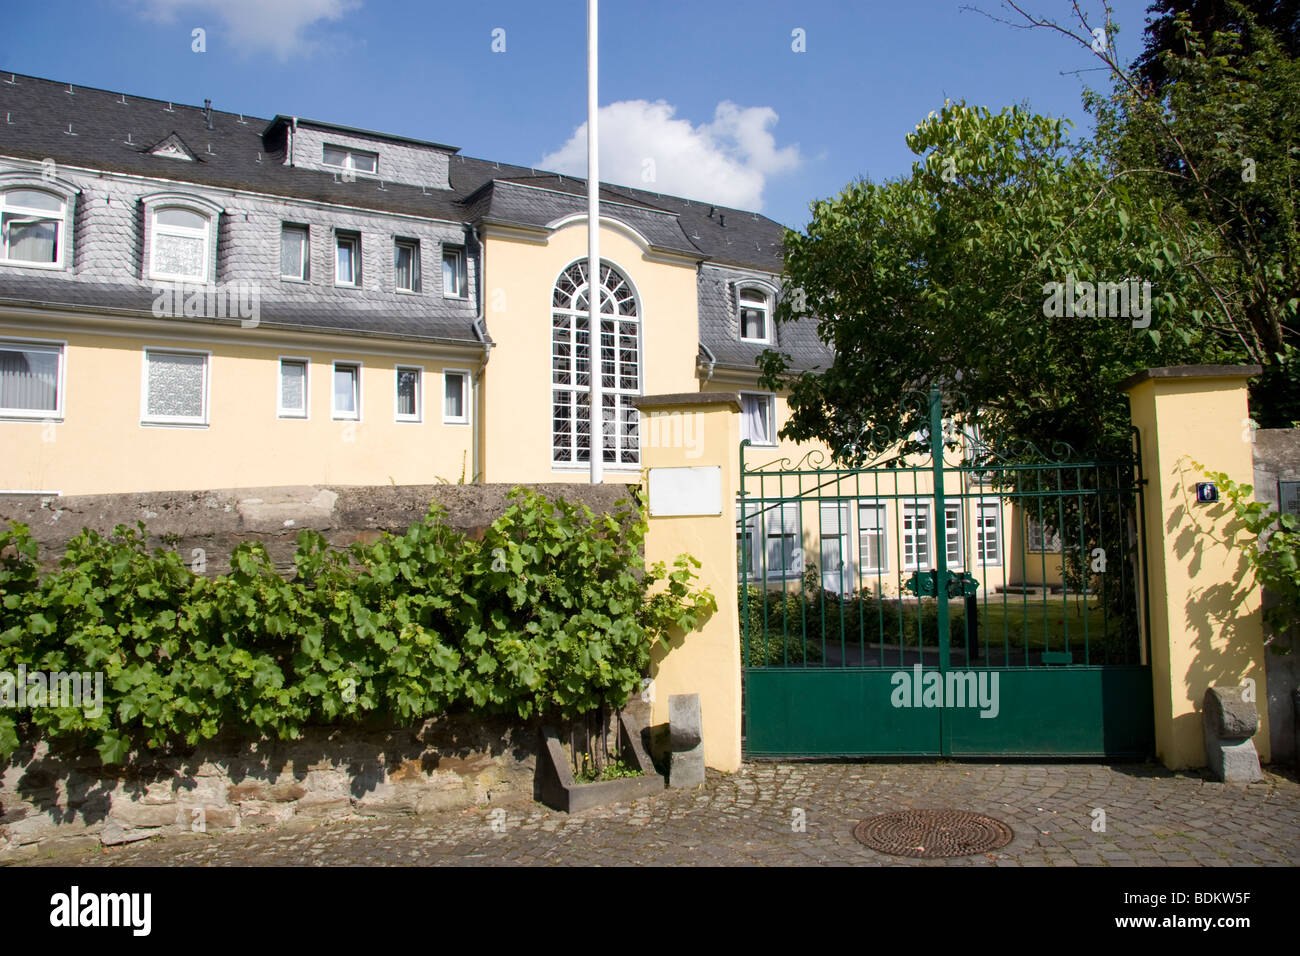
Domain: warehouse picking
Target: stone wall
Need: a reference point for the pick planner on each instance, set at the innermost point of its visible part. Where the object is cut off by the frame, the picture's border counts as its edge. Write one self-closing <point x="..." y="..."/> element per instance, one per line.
<point x="1277" y="458"/>
<point x="332" y="773"/>
<point x="68" y="799"/>
<point x="205" y="526"/>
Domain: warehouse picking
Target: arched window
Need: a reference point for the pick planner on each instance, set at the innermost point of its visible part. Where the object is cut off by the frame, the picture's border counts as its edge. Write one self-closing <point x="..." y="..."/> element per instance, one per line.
<point x="180" y="247"/>
<point x="31" y="227"/>
<point x="755" y="306"/>
<point x="620" y="355"/>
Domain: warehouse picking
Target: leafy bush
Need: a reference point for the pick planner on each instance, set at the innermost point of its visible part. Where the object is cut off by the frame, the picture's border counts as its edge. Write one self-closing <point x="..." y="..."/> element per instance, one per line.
<point x="1272" y="544"/>
<point x="550" y="613"/>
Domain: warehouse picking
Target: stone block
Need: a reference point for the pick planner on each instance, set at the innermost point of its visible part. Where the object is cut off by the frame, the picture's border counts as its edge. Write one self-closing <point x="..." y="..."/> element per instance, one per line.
<point x="214" y="818"/>
<point x="159" y="793"/>
<point x="686" y="737"/>
<point x="114" y="834"/>
<point x="438" y="801"/>
<point x="143" y="815"/>
<point x="1229" y="723"/>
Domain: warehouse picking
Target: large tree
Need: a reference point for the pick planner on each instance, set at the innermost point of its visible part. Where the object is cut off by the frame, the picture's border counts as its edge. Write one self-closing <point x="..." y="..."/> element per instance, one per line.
<point x="946" y="277"/>
<point x="939" y="277"/>
<point x="1203" y="18"/>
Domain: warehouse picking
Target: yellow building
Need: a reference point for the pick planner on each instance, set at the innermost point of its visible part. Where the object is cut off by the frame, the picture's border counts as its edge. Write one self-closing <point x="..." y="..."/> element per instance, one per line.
<point x="196" y="299"/>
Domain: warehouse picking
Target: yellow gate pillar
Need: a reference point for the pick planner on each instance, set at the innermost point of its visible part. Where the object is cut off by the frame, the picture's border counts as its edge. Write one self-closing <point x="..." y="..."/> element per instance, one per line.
<point x="690" y="444"/>
<point x="1206" y="626"/>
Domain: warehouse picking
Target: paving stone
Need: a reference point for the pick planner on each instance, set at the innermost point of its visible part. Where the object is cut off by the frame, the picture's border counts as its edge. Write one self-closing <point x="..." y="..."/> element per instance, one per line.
<point x="1154" y="818"/>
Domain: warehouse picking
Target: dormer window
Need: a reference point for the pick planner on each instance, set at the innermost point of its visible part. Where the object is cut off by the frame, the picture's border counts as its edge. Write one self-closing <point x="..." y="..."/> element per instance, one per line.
<point x="357" y="160"/>
<point x="755" y="316"/>
<point x="179" y="247"/>
<point x="31" y="227"/>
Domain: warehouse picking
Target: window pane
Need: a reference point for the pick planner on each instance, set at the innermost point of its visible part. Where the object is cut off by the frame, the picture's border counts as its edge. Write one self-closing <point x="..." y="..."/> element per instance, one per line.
<point x="179" y="256"/>
<point x="181" y="217"/>
<point x="407" y="263"/>
<point x="33" y="199"/>
<point x="175" y="385"/>
<point x="756" y="418"/>
<point x="988" y="547"/>
<point x="408" y="385"/>
<point x="871" y="525"/>
<point x="451" y="273"/>
<point x="29" y="379"/>
<point x="454" y="386"/>
<point x="293" y="252"/>
<point x="31" y="240"/>
<point x="293" y="386"/>
<point x="333" y="156"/>
<point x="364" y="161"/>
<point x="952" y="536"/>
<point x="345" y="389"/>
<point x="753" y="324"/>
<point x="345" y="271"/>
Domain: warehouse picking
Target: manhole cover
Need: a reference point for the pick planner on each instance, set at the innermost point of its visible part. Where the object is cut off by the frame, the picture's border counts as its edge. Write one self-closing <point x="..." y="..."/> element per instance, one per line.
<point x="933" y="833"/>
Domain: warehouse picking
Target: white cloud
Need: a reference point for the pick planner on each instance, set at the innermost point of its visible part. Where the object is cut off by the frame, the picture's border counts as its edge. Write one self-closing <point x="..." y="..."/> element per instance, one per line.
<point x="726" y="161"/>
<point x="252" y="25"/>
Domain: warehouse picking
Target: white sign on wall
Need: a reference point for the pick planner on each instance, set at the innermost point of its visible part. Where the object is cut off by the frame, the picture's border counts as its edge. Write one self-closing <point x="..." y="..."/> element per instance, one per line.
<point x="685" y="491"/>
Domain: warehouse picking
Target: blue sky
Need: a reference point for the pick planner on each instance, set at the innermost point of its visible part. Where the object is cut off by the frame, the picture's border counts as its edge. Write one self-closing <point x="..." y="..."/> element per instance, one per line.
<point x="709" y="97"/>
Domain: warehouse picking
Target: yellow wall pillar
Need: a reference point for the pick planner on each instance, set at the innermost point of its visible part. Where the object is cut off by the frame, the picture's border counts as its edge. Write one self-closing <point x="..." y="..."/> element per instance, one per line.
<point x="1206" y="626"/>
<point x="702" y="432"/>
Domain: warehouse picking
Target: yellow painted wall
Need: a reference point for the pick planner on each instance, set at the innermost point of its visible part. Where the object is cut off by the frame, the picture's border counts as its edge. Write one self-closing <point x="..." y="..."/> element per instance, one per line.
<point x="1206" y="626"/>
<point x="102" y="447"/>
<point x="704" y="662"/>
<point x="519" y="277"/>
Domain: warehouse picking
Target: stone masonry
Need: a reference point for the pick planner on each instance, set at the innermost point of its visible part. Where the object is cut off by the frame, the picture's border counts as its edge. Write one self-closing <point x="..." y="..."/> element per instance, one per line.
<point x="49" y="798"/>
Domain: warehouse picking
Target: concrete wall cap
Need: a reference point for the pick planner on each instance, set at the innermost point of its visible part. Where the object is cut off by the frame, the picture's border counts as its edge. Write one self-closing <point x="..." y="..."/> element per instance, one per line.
<point x="686" y="398"/>
<point x="1189" y="372"/>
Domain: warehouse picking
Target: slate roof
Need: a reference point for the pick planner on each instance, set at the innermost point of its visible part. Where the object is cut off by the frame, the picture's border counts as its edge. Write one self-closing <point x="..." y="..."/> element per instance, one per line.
<point x="412" y="321"/>
<point x="99" y="129"/>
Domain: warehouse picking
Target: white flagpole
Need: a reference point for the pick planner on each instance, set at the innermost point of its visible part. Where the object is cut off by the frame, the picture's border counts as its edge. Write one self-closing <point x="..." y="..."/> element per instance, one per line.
<point x="593" y="254"/>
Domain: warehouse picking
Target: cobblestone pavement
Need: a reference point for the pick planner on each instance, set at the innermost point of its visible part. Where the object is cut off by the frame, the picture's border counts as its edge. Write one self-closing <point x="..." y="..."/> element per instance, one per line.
<point x="1152" y="818"/>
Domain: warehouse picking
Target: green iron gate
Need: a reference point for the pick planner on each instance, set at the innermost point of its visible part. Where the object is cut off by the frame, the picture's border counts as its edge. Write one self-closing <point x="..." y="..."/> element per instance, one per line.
<point x="1029" y="567"/>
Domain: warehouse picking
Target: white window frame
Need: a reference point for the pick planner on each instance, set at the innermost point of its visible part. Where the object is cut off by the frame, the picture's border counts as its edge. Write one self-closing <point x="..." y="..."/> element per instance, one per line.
<point x="1034" y="529"/>
<point x="771" y="440"/>
<point x="959" y="529"/>
<point x="919" y="562"/>
<point x="418" y="416"/>
<point x="350" y="154"/>
<point x="58" y="346"/>
<point x="289" y="413"/>
<point x="354" y="240"/>
<point x="570" y="392"/>
<point x="447" y="417"/>
<point x="335" y="414"/>
<point x="881" y="509"/>
<point x="60" y="220"/>
<point x="773" y="526"/>
<point x="462" y="271"/>
<point x="417" y="267"/>
<point x="306" y="251"/>
<point x="156" y="229"/>
<point x="765" y="308"/>
<point x="994" y="508"/>
<point x="175" y="421"/>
